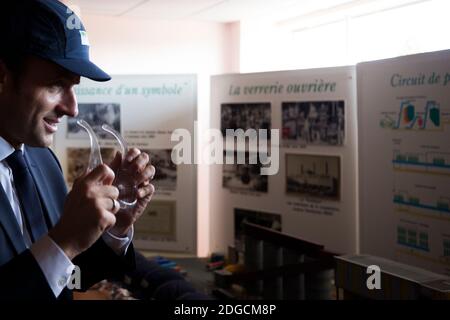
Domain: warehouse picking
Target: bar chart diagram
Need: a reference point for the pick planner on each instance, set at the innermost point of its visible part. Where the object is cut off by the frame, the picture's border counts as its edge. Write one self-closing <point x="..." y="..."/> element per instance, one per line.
<point x="427" y="162"/>
<point x="434" y="207"/>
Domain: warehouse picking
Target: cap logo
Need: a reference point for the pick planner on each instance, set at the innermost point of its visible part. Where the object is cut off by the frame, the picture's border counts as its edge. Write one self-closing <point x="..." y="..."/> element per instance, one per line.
<point x="84" y="38"/>
<point x="73" y="22"/>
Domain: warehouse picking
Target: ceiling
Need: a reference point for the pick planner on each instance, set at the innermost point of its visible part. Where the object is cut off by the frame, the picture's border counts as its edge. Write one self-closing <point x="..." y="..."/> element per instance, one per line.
<point x="205" y="10"/>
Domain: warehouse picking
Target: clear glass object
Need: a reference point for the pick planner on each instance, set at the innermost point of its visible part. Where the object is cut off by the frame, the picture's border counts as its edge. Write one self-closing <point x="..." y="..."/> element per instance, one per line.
<point x="124" y="179"/>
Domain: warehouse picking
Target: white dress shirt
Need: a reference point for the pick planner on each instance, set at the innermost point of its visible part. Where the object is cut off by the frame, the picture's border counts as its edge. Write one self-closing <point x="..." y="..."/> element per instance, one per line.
<point x="52" y="260"/>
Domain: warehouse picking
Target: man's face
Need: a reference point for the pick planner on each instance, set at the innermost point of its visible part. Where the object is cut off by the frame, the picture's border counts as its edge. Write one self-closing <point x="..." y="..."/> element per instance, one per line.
<point x="32" y="105"/>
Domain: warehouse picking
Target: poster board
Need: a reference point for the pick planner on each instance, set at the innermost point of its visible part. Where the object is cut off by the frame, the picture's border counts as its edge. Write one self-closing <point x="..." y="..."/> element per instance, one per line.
<point x="314" y="111"/>
<point x="146" y="109"/>
<point x="404" y="131"/>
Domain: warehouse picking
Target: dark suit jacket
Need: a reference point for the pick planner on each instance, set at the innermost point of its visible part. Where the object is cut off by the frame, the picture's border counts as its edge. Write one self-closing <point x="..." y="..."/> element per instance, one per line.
<point x="20" y="274"/>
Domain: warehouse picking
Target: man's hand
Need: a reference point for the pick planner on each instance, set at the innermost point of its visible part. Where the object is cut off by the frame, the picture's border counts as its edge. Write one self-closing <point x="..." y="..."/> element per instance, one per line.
<point x="137" y="163"/>
<point x="89" y="210"/>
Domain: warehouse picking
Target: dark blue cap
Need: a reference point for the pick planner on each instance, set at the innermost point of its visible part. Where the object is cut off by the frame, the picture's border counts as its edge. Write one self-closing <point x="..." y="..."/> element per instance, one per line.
<point x="50" y="30"/>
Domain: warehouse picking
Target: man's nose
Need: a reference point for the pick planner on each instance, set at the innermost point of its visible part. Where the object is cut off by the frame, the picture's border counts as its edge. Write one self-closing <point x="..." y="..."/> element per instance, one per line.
<point x="68" y="104"/>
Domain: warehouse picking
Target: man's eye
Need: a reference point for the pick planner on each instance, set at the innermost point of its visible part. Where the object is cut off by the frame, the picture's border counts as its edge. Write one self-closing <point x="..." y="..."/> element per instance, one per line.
<point x="56" y="86"/>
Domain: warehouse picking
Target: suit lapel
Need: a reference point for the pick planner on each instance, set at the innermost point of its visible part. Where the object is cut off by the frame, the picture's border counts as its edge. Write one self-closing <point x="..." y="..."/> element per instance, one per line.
<point x="43" y="189"/>
<point x="9" y="222"/>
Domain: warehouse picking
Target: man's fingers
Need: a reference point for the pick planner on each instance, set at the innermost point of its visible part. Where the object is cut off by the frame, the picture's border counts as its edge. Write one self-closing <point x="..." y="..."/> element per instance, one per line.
<point x="79" y="179"/>
<point x="132" y="154"/>
<point x="145" y="191"/>
<point x="112" y="205"/>
<point x="106" y="191"/>
<point x="102" y="174"/>
<point x="107" y="203"/>
<point x="109" y="219"/>
<point x="146" y="175"/>
<point x="109" y="179"/>
<point x="117" y="162"/>
<point x="139" y="163"/>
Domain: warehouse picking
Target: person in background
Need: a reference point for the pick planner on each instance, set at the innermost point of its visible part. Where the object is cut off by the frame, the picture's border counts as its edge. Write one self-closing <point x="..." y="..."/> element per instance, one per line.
<point x="45" y="232"/>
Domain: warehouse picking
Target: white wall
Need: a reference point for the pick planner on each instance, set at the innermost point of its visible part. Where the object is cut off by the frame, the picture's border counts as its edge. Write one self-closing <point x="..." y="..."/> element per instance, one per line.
<point x="139" y="46"/>
<point x="234" y="49"/>
<point x="264" y="47"/>
<point x="344" y="38"/>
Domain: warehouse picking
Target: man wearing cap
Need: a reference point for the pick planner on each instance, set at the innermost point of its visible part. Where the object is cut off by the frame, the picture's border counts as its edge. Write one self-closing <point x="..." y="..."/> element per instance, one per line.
<point x="45" y="232"/>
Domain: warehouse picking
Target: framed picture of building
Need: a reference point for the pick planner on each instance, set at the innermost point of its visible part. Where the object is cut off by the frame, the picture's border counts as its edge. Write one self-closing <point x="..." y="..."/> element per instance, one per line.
<point x="314" y="176"/>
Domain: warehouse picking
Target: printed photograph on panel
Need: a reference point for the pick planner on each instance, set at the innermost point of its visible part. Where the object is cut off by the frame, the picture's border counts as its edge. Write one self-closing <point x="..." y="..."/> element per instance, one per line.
<point x="245" y="176"/>
<point x="313" y="176"/>
<point x="158" y="222"/>
<point x="166" y="171"/>
<point x="313" y="123"/>
<point x="245" y="116"/>
<point x="78" y="159"/>
<point x="96" y="114"/>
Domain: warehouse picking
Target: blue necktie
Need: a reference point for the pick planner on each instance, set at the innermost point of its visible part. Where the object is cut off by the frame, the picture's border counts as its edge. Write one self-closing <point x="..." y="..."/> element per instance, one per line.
<point x="28" y="195"/>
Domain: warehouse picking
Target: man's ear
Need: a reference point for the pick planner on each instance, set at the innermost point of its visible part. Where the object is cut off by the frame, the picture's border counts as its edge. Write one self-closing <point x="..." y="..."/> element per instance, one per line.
<point x="6" y="77"/>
